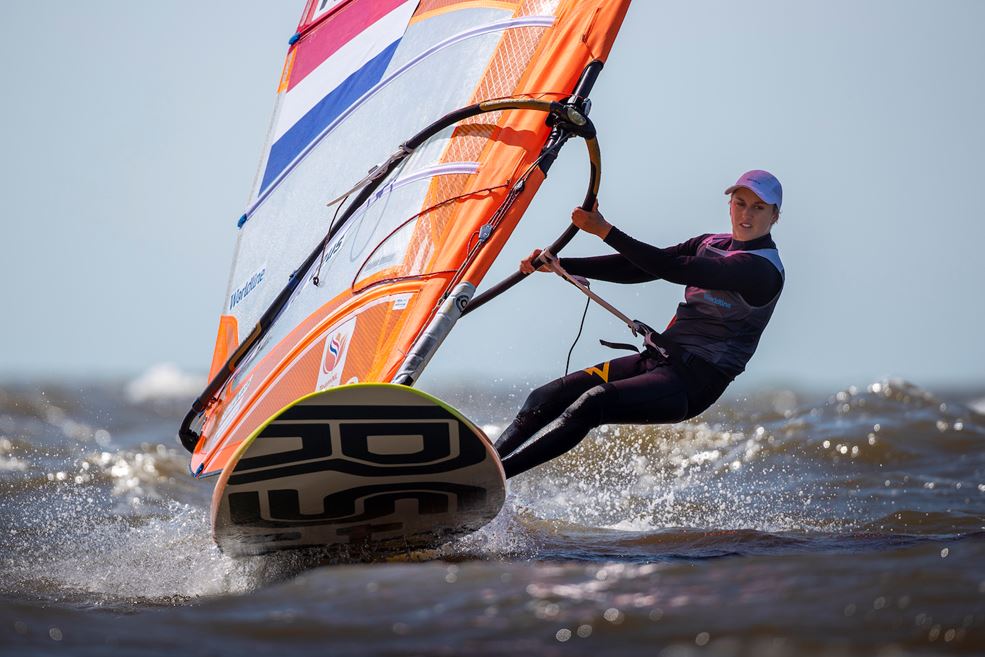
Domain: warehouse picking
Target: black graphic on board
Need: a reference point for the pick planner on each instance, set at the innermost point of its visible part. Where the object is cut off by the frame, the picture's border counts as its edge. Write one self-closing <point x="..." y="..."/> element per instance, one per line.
<point x="394" y="441"/>
<point x="315" y="454"/>
<point x="343" y="507"/>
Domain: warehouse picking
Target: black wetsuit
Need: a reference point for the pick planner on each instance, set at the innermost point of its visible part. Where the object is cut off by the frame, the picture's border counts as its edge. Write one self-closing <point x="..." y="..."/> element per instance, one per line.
<point x="732" y="289"/>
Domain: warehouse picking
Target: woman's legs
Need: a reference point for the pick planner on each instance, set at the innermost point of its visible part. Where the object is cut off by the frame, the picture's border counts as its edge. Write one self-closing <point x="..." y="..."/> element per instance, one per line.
<point x="548" y="401"/>
<point x="542" y="405"/>
<point x="633" y="389"/>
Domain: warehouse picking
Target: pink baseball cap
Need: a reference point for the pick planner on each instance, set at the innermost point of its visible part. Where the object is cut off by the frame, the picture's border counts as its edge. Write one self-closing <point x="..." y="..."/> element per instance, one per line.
<point x="762" y="183"/>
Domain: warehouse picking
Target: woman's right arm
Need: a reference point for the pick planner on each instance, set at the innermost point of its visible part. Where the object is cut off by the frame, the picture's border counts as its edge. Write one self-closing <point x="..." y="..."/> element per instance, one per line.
<point x="617" y="268"/>
<point x="613" y="268"/>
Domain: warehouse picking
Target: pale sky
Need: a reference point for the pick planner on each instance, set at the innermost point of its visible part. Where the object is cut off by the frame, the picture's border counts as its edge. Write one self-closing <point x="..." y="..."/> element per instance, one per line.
<point x="132" y="132"/>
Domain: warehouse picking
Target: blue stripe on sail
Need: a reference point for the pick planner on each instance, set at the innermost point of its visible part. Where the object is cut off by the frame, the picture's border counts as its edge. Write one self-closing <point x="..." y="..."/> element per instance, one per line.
<point x="309" y="126"/>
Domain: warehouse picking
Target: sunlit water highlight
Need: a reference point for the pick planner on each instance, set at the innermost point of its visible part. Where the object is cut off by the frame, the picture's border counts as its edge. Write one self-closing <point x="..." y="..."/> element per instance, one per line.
<point x="777" y="524"/>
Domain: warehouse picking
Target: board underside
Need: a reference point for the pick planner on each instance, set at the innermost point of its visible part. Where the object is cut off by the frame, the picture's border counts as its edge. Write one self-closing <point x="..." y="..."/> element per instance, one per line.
<point x="377" y="467"/>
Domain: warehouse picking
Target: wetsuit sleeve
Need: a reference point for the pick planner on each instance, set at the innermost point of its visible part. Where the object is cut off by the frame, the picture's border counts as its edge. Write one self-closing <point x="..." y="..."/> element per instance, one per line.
<point x="618" y="268"/>
<point x="613" y="268"/>
<point x="755" y="278"/>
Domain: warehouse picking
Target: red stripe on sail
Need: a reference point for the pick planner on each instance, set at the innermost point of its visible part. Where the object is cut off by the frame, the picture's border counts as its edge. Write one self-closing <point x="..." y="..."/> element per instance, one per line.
<point x="338" y="30"/>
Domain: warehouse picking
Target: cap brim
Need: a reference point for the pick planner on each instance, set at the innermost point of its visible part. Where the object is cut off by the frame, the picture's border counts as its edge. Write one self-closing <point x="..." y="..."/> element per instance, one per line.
<point x="732" y="189"/>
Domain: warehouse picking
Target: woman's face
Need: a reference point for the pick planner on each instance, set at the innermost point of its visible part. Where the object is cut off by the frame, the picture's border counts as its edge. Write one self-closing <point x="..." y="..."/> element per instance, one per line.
<point x="751" y="216"/>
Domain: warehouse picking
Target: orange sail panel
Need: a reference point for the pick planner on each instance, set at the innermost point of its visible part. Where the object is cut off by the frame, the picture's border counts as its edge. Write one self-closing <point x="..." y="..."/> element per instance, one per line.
<point x="361" y="77"/>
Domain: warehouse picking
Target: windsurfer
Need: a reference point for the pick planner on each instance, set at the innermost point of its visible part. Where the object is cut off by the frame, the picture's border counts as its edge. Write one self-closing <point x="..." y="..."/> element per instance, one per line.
<point x="733" y="283"/>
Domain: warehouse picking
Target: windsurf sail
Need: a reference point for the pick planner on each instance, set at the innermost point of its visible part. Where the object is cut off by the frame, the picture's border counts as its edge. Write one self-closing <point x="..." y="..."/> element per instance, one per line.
<point x="407" y="140"/>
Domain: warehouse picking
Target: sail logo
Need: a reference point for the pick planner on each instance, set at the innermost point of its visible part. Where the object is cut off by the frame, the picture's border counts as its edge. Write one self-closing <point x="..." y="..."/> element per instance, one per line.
<point x="335" y="349"/>
<point x="253" y="283"/>
<point x="334" y="355"/>
<point x="336" y="247"/>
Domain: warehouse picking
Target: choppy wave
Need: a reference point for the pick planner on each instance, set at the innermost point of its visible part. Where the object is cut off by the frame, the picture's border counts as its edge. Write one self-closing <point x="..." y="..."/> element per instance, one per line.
<point x="890" y="456"/>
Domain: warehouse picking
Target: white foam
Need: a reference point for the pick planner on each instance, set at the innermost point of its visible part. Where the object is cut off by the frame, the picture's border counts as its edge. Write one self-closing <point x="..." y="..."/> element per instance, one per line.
<point x="164" y="382"/>
<point x="156" y="559"/>
<point x="12" y="464"/>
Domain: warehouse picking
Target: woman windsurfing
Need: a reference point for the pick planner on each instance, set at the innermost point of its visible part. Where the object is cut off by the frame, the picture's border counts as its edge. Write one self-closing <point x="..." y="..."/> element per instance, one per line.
<point x="733" y="283"/>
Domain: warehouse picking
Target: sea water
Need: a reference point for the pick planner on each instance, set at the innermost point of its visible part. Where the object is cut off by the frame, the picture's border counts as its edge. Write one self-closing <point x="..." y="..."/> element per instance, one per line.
<point x="839" y="522"/>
